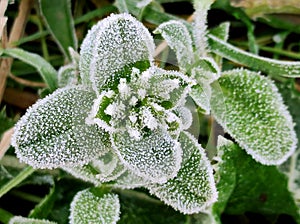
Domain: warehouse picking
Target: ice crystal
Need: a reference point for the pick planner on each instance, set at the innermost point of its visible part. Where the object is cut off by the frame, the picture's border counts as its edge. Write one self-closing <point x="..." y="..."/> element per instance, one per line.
<point x="113" y="43"/>
<point x="53" y="131"/>
<point x="193" y="189"/>
<point x="22" y="220"/>
<point x="89" y="207"/>
<point x="179" y="39"/>
<point x="255" y="116"/>
<point x="103" y="169"/>
<point x="156" y="156"/>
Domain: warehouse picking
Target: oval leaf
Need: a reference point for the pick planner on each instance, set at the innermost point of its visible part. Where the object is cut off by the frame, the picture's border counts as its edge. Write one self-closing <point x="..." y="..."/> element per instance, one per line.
<point x="254" y="115"/>
<point x="53" y="132"/>
<point x="155" y="157"/>
<point x="113" y="43"/>
<point x="193" y="189"/>
<point x="89" y="206"/>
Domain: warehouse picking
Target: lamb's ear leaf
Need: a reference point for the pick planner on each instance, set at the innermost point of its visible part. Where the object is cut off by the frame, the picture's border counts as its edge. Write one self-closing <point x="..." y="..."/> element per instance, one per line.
<point x="113" y="43"/>
<point x="22" y="220"/>
<point x="93" y="206"/>
<point x="254" y="115"/>
<point x="53" y="131"/>
<point x="193" y="189"/>
<point x="156" y="156"/>
<point x="179" y="39"/>
<point x="103" y="169"/>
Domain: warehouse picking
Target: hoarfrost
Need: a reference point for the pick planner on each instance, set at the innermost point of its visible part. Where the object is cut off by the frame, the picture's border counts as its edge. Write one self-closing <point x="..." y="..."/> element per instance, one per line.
<point x="22" y="220"/>
<point x="89" y="208"/>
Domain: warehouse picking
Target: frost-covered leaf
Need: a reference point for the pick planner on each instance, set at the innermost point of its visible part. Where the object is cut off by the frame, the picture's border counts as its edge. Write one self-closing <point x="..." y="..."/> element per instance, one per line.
<point x="179" y="39"/>
<point x="68" y="75"/>
<point x="53" y="132"/>
<point x="106" y="168"/>
<point x="113" y="43"/>
<point x="185" y="116"/>
<point x="248" y="186"/>
<point x="156" y="156"/>
<point x="128" y="180"/>
<point x="92" y="207"/>
<point x="193" y="189"/>
<point x="22" y="220"/>
<point x="254" y="115"/>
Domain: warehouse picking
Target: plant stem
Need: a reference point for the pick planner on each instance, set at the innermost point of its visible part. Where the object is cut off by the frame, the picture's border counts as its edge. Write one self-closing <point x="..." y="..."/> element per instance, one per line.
<point x="15" y="181"/>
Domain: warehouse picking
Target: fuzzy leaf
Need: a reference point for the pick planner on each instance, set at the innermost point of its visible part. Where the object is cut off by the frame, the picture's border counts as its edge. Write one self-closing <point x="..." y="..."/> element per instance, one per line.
<point x="106" y="168"/>
<point x="179" y="39"/>
<point x="90" y="207"/>
<point x="156" y="156"/>
<point x="68" y="75"/>
<point x="254" y="115"/>
<point x="22" y="220"/>
<point x="53" y="132"/>
<point x="247" y="188"/>
<point x="47" y="72"/>
<point x="113" y="43"/>
<point x="58" y="17"/>
<point x="193" y="189"/>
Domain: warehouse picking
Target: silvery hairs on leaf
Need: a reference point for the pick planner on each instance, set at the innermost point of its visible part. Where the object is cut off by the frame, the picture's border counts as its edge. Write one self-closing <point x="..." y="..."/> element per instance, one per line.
<point x="88" y="207"/>
<point x="53" y="132"/>
<point x="113" y="43"/>
<point x="193" y="189"/>
<point x="254" y="115"/>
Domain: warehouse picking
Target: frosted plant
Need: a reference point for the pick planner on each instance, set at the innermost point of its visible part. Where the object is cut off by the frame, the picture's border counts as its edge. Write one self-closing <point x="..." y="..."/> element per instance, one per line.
<point x="122" y="122"/>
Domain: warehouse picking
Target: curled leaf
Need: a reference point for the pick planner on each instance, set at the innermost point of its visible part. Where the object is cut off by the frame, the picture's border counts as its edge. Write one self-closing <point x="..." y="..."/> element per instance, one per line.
<point x="53" y="132"/>
<point x="193" y="189"/>
<point x="254" y="115"/>
<point x="92" y="207"/>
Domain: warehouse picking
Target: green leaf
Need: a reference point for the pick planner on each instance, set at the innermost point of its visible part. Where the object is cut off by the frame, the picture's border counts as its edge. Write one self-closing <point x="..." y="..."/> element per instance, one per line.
<point x="22" y="220"/>
<point x="252" y="186"/>
<point x="113" y="43"/>
<point x="270" y="66"/>
<point x="156" y="156"/>
<point x="179" y="39"/>
<point x="106" y="168"/>
<point x="47" y="72"/>
<point x="193" y="189"/>
<point x="128" y="180"/>
<point x="90" y="206"/>
<point x="254" y="115"/>
<point x="58" y="17"/>
<point x="53" y="131"/>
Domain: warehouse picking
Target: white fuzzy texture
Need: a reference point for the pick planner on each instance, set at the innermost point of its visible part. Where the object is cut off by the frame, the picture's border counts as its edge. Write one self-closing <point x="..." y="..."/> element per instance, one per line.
<point x="22" y="220"/>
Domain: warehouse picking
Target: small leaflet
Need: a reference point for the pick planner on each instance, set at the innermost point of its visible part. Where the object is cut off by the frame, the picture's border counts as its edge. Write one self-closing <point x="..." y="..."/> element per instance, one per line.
<point x="92" y="207"/>
<point x="67" y="75"/>
<point x="254" y="115"/>
<point x="113" y="43"/>
<point x="179" y="39"/>
<point x="53" y="132"/>
<point x="128" y="180"/>
<point x="193" y="189"/>
<point x="22" y="220"/>
<point x="104" y="169"/>
<point x="155" y="157"/>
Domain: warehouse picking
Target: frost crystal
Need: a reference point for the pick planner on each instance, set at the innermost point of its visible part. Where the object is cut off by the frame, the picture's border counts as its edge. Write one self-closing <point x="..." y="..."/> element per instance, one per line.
<point x="113" y="43"/>
<point x="193" y="189"/>
<point x="53" y="131"/>
<point x="255" y="116"/>
<point x="156" y="156"/>
<point x="92" y="207"/>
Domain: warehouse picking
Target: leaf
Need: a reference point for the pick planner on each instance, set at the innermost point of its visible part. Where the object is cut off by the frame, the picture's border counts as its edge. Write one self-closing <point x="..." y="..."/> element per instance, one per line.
<point x="156" y="156"/>
<point x="53" y="132"/>
<point x="267" y="65"/>
<point x="88" y="206"/>
<point x="22" y="220"/>
<point x="128" y="180"/>
<point x="193" y="189"/>
<point x="179" y="39"/>
<point x="254" y="115"/>
<point x="47" y="72"/>
<point x="58" y="17"/>
<point x="113" y="43"/>
<point x="257" y="188"/>
<point x="103" y="169"/>
<point x="67" y="75"/>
